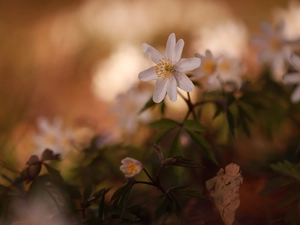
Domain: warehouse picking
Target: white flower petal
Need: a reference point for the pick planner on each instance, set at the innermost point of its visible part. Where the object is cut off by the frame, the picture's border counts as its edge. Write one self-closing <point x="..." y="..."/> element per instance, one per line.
<point x="172" y="89"/>
<point x="160" y="90"/>
<point x="296" y="95"/>
<point x="177" y="51"/>
<point x="148" y="74"/>
<point x="295" y="59"/>
<point x="212" y="79"/>
<point x="291" y="78"/>
<point x="183" y="82"/>
<point x="208" y="54"/>
<point x="152" y="53"/>
<point x="187" y="64"/>
<point x="170" y="46"/>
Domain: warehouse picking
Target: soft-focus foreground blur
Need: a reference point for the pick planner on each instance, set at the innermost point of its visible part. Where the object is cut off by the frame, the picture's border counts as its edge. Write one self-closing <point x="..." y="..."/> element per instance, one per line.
<point x="68" y="62"/>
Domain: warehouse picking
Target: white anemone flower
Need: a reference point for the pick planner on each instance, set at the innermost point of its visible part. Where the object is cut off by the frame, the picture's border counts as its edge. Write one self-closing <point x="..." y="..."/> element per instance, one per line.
<point x="274" y="48"/>
<point x="220" y="71"/>
<point x="293" y="78"/>
<point x="131" y="167"/>
<point x="52" y="136"/>
<point x="170" y="69"/>
<point x="128" y="106"/>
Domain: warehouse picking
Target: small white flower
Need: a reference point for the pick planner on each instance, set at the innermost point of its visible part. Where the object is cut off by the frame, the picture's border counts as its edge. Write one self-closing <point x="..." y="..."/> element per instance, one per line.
<point x="131" y="167"/>
<point x="52" y="136"/>
<point x="208" y="65"/>
<point x="128" y="106"/>
<point x="219" y="71"/>
<point x="169" y="70"/>
<point x="273" y="48"/>
<point x="294" y="78"/>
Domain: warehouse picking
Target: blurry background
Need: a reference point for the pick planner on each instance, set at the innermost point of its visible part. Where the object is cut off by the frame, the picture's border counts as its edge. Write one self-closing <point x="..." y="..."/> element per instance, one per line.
<point x="72" y="58"/>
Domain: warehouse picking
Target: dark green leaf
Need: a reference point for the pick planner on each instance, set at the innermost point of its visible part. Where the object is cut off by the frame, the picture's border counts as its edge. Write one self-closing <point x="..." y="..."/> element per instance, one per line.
<point x="287" y="168"/>
<point x="205" y="147"/>
<point x="54" y="174"/>
<point x="148" y="105"/>
<point x="163" y="208"/>
<point x="275" y="184"/>
<point x="193" y="125"/>
<point x="291" y="196"/>
<point x="160" y="135"/>
<point x="176" y="145"/>
<point x="164" y="123"/>
<point x="186" y="191"/>
<point x="180" y="161"/>
<point x="87" y="191"/>
<point x="230" y="121"/>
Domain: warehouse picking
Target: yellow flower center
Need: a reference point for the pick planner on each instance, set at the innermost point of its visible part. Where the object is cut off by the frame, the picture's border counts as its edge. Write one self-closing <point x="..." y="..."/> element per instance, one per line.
<point x="209" y="66"/>
<point x="164" y="68"/>
<point x="131" y="168"/>
<point x="224" y="66"/>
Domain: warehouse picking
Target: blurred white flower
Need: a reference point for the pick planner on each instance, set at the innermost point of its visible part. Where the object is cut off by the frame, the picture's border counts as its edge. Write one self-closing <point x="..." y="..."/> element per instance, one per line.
<point x="293" y="78"/>
<point x="208" y="65"/>
<point x="220" y="71"/>
<point x="127" y="108"/>
<point x="52" y="136"/>
<point x="131" y="167"/>
<point x="169" y="70"/>
<point x="273" y="48"/>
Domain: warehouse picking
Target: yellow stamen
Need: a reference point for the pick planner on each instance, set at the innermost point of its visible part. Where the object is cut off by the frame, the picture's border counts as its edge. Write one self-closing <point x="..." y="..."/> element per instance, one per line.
<point x="224" y="66"/>
<point x="164" y="68"/>
<point x="131" y="168"/>
<point x="209" y="66"/>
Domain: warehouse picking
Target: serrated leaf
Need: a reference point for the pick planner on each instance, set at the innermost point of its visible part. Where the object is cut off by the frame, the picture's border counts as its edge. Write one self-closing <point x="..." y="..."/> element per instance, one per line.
<point x="230" y="120"/>
<point x="289" y="197"/>
<point x="202" y="143"/>
<point x="164" y="124"/>
<point x="275" y="184"/>
<point x="287" y="168"/>
<point x="193" y="125"/>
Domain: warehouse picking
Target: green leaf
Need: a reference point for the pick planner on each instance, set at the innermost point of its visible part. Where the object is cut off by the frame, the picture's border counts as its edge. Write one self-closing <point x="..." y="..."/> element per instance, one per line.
<point x="101" y="202"/>
<point x="291" y="196"/>
<point x="54" y="174"/>
<point x="275" y="184"/>
<point x="163" y="208"/>
<point x="205" y="147"/>
<point x="159" y="152"/>
<point x="181" y="161"/>
<point x="287" y="168"/>
<point x="161" y="134"/>
<point x="193" y="125"/>
<point x="148" y="105"/>
<point x="87" y="191"/>
<point x="164" y="123"/>
<point x="184" y="190"/>
<point x="230" y="121"/>
<point x="176" y="145"/>
<point x="121" y="195"/>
